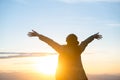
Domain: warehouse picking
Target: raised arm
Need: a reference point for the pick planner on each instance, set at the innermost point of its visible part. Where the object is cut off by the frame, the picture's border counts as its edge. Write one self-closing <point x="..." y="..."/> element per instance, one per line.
<point x="90" y="39"/>
<point x="47" y="40"/>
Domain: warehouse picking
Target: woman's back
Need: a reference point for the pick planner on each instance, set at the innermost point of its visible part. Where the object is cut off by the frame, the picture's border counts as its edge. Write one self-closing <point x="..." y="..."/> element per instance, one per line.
<point x="69" y="64"/>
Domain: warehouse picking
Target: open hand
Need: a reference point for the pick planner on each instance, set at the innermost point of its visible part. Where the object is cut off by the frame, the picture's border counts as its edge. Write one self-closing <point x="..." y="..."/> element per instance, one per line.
<point x="33" y="34"/>
<point x="97" y="36"/>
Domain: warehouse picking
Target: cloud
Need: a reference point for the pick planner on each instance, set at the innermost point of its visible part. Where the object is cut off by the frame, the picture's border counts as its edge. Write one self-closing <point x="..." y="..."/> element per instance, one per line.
<point x="114" y="24"/>
<point x="4" y="55"/>
<point x="21" y="1"/>
<point x="78" y="1"/>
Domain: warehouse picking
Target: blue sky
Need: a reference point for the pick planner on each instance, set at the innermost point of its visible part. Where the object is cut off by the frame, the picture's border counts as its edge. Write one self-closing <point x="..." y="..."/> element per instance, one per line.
<point x="56" y="19"/>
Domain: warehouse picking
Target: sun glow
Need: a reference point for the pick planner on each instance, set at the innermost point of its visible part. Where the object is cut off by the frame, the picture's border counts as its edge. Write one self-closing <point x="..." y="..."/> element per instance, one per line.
<point x="46" y="65"/>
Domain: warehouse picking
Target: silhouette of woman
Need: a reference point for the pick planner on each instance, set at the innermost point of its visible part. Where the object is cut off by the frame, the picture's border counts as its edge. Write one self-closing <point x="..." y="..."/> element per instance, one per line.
<point x="69" y="59"/>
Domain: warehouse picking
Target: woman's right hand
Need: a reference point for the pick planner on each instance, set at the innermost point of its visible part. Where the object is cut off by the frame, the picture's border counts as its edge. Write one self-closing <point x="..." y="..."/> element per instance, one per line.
<point x="97" y="36"/>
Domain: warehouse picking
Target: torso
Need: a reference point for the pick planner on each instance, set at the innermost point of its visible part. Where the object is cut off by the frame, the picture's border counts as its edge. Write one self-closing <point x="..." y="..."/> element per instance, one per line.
<point x="69" y="62"/>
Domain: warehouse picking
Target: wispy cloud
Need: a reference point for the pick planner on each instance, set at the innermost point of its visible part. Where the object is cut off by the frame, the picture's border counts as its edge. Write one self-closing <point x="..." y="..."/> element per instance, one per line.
<point x="4" y="55"/>
<point x="21" y="1"/>
<point x="114" y="24"/>
<point x="77" y="1"/>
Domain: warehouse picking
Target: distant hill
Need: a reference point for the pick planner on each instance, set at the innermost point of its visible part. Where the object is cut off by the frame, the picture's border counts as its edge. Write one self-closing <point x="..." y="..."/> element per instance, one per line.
<point x="36" y="76"/>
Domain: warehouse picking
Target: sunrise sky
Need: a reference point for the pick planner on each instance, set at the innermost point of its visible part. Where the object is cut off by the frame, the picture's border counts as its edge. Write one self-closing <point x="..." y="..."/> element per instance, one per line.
<point x="56" y="19"/>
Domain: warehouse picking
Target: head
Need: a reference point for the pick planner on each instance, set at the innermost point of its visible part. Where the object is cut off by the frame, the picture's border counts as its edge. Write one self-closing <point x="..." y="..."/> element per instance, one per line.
<point x="71" y="39"/>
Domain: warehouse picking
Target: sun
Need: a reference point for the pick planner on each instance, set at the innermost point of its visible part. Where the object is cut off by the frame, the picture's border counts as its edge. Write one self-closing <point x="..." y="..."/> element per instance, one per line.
<point x="46" y="65"/>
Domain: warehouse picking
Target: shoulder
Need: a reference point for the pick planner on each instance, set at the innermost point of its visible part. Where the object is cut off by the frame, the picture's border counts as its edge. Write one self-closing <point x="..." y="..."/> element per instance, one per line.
<point x="64" y="45"/>
<point x="83" y="43"/>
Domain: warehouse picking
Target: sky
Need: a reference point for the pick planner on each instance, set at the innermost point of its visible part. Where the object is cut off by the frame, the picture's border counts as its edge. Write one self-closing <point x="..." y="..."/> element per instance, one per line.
<point x="58" y="18"/>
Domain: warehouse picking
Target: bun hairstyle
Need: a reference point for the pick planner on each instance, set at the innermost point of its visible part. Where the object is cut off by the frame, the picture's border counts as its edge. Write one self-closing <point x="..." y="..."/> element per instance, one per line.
<point x="72" y="39"/>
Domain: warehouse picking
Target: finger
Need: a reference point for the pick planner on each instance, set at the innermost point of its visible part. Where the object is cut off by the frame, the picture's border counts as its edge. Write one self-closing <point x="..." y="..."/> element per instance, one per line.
<point x="30" y="32"/>
<point x="100" y="36"/>
<point x="97" y="33"/>
<point x="34" y="31"/>
<point x="29" y="35"/>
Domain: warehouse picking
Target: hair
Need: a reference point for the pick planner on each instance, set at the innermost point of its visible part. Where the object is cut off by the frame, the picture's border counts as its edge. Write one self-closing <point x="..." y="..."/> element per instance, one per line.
<point x="71" y="39"/>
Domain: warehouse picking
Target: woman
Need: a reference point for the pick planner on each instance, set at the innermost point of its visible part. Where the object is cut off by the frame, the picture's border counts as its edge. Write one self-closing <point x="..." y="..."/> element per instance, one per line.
<point x="69" y="59"/>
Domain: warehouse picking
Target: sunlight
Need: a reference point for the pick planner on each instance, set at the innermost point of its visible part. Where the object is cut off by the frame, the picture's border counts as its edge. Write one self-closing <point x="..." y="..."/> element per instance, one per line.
<point x="46" y="65"/>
